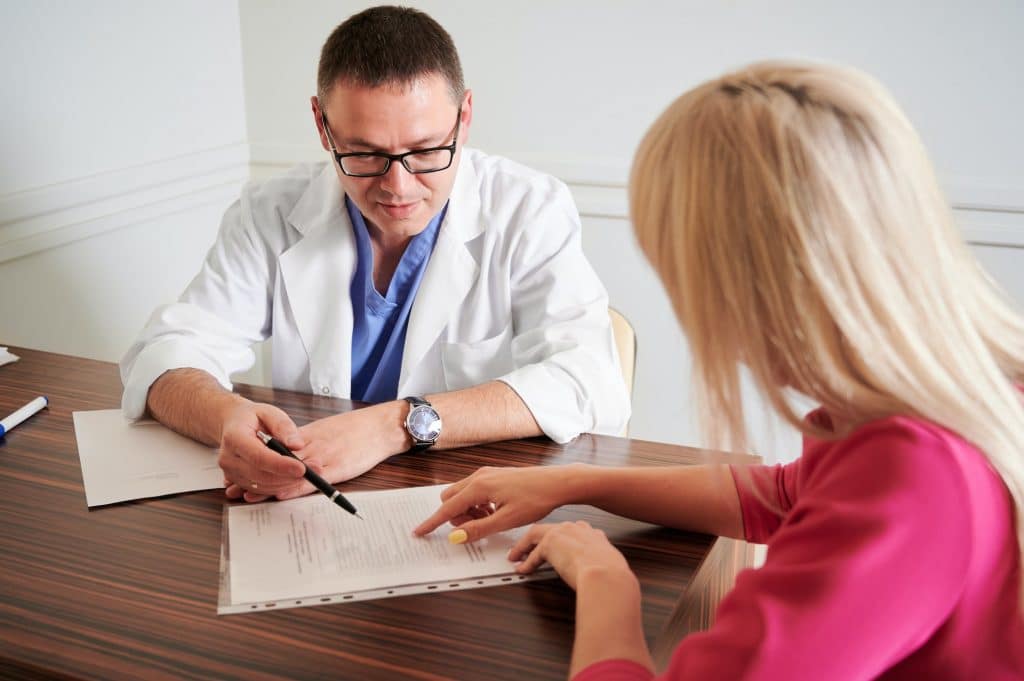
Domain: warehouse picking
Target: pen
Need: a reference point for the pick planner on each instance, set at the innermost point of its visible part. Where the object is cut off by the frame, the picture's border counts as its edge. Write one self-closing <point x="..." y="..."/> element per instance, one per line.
<point x="22" y="414"/>
<point x="318" y="482"/>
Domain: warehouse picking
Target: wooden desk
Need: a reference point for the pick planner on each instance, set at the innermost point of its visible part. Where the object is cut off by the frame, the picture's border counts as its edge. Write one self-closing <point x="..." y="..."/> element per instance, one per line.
<point x="129" y="591"/>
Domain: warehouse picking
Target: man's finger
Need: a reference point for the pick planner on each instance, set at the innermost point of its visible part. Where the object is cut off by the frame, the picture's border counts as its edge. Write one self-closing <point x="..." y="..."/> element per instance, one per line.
<point x="281" y="426"/>
<point x="262" y="458"/>
<point x="295" y="491"/>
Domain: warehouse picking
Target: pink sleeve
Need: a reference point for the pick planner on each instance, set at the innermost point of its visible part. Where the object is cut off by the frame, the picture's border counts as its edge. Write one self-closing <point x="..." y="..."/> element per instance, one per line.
<point x="865" y="566"/>
<point x="765" y="493"/>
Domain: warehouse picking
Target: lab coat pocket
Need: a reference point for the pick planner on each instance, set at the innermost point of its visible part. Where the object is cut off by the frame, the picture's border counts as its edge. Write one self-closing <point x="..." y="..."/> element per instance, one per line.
<point x="469" y="364"/>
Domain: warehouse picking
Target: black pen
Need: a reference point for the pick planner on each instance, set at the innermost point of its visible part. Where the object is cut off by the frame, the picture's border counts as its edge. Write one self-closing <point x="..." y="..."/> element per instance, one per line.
<point x="318" y="482"/>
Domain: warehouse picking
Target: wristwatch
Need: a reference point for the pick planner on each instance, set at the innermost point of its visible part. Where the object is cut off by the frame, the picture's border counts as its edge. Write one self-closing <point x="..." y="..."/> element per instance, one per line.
<point x="423" y="423"/>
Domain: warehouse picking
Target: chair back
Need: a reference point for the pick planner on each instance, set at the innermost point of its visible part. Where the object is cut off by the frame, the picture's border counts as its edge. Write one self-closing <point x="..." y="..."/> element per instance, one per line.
<point x="625" y="343"/>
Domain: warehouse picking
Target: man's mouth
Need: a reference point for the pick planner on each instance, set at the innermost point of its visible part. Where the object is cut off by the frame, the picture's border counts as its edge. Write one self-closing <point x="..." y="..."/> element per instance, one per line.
<point x="399" y="210"/>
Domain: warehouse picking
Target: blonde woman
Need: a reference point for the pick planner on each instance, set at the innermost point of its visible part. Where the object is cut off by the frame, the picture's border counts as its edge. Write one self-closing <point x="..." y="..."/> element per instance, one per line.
<point x="793" y="217"/>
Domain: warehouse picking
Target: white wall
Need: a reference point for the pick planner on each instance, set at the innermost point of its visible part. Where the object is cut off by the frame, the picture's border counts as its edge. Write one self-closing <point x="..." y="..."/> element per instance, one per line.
<point x="123" y="139"/>
<point x="132" y="133"/>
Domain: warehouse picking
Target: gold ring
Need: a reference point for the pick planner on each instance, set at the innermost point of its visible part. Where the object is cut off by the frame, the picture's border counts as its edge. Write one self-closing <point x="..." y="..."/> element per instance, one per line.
<point x="253" y="484"/>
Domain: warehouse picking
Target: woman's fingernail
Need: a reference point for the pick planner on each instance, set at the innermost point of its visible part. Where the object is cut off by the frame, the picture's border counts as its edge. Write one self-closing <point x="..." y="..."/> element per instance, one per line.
<point x="458" y="537"/>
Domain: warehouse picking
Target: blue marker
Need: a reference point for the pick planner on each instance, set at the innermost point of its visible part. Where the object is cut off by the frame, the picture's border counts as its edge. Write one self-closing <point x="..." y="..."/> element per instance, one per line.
<point x="22" y="414"/>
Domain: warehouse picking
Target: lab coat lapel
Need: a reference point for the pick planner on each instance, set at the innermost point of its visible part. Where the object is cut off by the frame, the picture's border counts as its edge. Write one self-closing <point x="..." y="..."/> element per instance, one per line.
<point x="450" y="273"/>
<point x="317" y="274"/>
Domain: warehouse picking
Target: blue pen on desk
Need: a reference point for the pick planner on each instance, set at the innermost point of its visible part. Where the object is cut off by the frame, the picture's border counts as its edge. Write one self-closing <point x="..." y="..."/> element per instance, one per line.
<point x="318" y="482"/>
<point x="22" y="414"/>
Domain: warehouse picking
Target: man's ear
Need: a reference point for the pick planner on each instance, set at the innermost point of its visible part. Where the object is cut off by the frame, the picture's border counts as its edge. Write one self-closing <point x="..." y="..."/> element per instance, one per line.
<point x="318" y="120"/>
<point x="467" y="116"/>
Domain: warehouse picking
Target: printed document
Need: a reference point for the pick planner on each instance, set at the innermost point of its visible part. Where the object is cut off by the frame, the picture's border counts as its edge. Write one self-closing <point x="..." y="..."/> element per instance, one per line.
<point x="123" y="459"/>
<point x="309" y="551"/>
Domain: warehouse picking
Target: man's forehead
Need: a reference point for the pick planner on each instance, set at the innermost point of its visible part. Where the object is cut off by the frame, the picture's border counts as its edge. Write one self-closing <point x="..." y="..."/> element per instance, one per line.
<point x="390" y="117"/>
<point x="428" y="90"/>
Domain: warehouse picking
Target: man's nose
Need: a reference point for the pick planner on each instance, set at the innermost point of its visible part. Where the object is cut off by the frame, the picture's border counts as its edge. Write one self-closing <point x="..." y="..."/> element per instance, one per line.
<point x="397" y="180"/>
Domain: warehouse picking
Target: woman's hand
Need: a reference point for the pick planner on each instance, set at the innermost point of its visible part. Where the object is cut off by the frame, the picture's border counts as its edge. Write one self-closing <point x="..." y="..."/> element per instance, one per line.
<point x="576" y="551"/>
<point x="496" y="499"/>
<point x="609" y="624"/>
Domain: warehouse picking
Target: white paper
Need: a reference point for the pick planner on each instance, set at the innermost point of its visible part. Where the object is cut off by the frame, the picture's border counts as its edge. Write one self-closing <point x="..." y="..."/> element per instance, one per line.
<point x="123" y="459"/>
<point x="309" y="551"/>
<point x="7" y="357"/>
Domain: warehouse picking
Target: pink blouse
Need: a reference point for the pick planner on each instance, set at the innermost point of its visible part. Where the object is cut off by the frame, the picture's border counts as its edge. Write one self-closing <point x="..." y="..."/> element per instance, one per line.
<point x="891" y="555"/>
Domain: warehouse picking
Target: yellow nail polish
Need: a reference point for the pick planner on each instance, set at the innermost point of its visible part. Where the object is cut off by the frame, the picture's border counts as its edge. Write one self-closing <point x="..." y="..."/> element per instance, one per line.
<point x="458" y="537"/>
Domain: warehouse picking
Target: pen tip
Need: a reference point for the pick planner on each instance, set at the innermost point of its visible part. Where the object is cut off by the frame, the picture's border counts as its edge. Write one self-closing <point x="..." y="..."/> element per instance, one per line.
<point x="358" y="516"/>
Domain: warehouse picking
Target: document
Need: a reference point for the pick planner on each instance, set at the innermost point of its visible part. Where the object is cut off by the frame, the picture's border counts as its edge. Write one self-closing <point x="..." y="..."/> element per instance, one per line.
<point x="123" y="459"/>
<point x="6" y="357"/>
<point x="307" y="551"/>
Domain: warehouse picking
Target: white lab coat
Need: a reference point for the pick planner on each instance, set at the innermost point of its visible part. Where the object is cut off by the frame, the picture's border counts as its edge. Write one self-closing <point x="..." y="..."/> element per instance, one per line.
<point x="507" y="295"/>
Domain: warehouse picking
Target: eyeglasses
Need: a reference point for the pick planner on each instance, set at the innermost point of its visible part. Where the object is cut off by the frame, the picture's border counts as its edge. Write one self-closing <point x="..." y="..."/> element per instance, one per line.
<point x="376" y="163"/>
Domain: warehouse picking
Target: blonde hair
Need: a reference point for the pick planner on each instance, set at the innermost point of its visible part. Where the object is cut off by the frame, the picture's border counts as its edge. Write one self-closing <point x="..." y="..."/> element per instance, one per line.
<point x="797" y="225"/>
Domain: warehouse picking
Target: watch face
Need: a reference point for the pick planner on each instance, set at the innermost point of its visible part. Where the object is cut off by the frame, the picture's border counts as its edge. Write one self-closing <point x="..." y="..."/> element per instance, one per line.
<point x="424" y="423"/>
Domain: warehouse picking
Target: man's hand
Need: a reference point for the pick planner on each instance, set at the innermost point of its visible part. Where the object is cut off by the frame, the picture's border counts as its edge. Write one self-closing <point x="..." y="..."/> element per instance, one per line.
<point x="341" y="447"/>
<point x="344" y="446"/>
<point x="251" y="469"/>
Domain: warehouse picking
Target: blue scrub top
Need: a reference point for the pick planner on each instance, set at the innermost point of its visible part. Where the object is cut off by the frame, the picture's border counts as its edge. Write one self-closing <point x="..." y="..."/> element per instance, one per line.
<point x="380" y="321"/>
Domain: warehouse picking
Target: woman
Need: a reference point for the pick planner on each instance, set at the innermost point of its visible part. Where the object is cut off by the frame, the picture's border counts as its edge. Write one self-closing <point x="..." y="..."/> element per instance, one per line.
<point x="793" y="217"/>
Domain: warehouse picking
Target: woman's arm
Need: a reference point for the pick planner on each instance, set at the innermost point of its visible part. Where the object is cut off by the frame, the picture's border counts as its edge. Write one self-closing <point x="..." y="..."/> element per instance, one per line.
<point x="696" y="498"/>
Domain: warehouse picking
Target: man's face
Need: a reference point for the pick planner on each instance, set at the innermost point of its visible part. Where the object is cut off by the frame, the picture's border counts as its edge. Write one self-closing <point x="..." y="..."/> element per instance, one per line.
<point x="396" y="119"/>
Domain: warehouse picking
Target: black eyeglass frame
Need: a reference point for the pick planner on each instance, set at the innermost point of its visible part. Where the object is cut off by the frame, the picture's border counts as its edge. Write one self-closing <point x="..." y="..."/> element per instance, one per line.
<point x="401" y="158"/>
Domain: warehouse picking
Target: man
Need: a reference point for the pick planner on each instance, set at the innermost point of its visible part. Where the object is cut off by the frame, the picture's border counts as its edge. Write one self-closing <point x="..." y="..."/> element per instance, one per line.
<point x="406" y="267"/>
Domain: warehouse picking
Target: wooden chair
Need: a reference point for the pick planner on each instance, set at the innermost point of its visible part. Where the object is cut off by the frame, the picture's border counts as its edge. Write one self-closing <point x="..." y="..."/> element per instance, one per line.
<point x="625" y="343"/>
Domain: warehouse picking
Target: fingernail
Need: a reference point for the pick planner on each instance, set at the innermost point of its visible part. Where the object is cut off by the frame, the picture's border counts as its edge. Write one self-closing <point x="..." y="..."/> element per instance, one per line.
<point x="458" y="537"/>
<point x="294" y="441"/>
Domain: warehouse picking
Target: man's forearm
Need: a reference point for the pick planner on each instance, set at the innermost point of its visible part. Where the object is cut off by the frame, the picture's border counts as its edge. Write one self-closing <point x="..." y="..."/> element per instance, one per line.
<point x="191" y="402"/>
<point x="485" y="413"/>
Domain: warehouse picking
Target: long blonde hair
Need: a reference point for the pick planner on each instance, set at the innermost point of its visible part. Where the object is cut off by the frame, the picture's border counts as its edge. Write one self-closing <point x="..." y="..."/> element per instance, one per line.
<point x="797" y="225"/>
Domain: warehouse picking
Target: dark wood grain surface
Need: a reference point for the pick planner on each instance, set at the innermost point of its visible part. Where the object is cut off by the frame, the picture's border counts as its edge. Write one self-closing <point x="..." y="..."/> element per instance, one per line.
<point x="129" y="591"/>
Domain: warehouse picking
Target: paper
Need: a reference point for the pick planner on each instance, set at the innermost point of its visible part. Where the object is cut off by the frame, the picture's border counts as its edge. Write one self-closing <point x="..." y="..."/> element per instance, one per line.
<point x="308" y="551"/>
<point x="123" y="459"/>
<point x="7" y="357"/>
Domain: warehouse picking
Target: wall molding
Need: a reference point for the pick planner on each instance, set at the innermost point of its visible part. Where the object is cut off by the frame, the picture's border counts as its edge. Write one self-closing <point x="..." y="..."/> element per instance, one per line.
<point x="989" y="212"/>
<point x="50" y="216"/>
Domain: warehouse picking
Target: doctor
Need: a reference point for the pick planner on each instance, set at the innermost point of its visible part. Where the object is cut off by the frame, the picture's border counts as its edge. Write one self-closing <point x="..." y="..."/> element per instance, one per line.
<point x="445" y="286"/>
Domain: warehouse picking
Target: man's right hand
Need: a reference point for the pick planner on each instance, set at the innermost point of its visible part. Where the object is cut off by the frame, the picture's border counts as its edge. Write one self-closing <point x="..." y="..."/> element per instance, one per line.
<point x="251" y="470"/>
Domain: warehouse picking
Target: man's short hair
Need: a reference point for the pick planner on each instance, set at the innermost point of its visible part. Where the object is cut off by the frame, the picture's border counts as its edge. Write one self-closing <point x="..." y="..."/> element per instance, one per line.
<point x="388" y="45"/>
